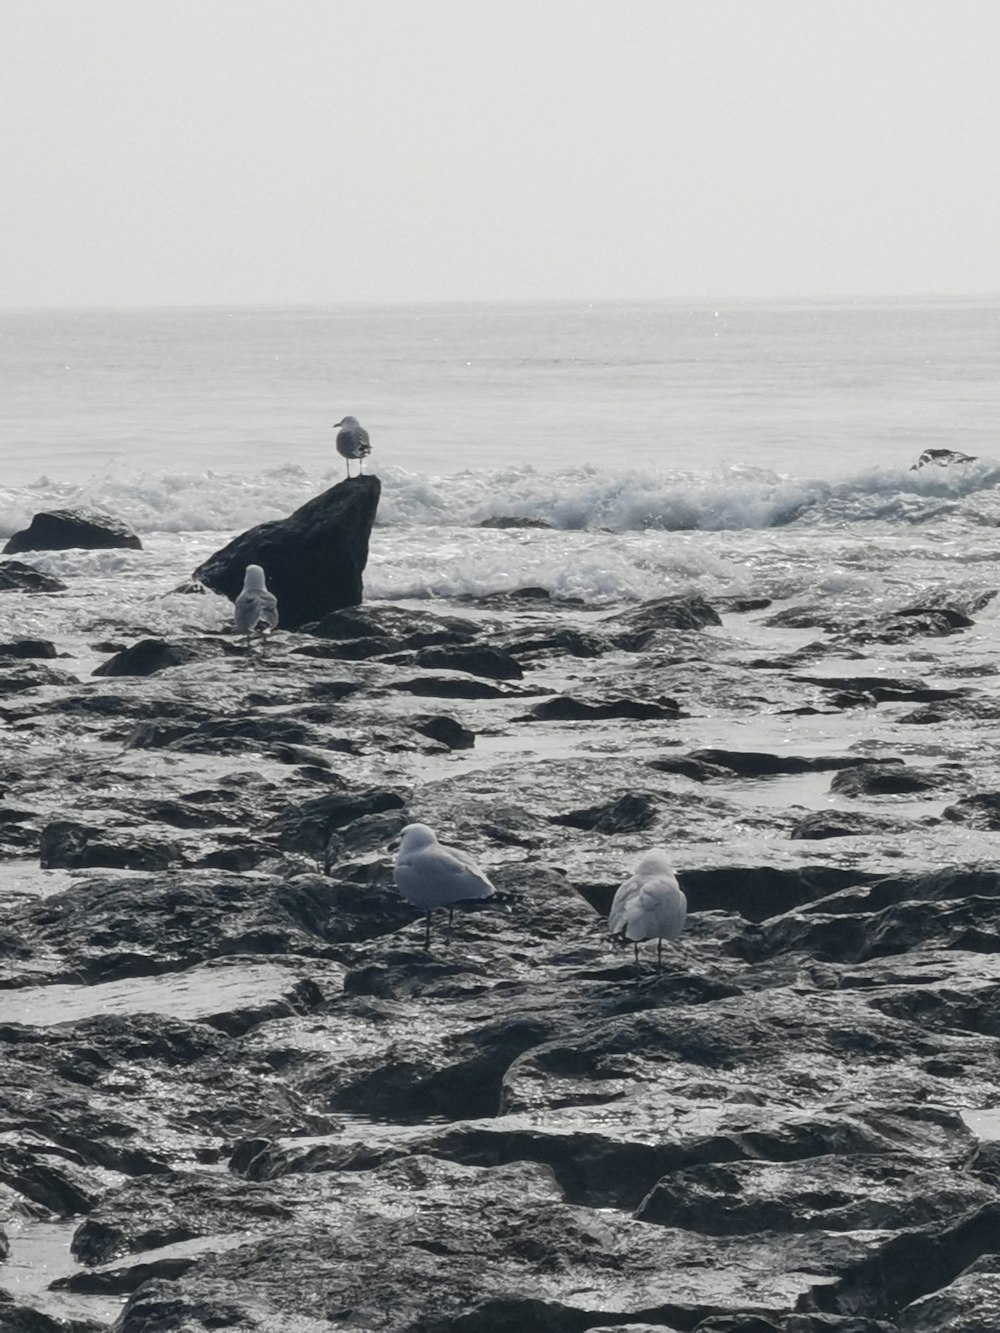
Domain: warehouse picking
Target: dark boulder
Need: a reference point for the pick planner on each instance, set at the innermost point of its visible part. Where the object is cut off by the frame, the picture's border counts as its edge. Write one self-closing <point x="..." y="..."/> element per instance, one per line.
<point x="884" y="779"/>
<point x="630" y="813"/>
<point x="819" y="824"/>
<point x="151" y="655"/>
<point x="314" y="559"/>
<point x="561" y="641"/>
<point x="307" y="825"/>
<point x="15" y="576"/>
<point x="63" y="529"/>
<point x="410" y="629"/>
<point x="684" y="613"/>
<point x="980" y="811"/>
<point x="449" y="687"/>
<point x="477" y="661"/>
<point x="686" y="766"/>
<point x="446" y="731"/>
<point x="30" y="676"/>
<point x="760" y="764"/>
<point x="348" y="650"/>
<point x="563" y="708"/>
<point x="28" y="648"/>
<point x="942" y="457"/>
<point x="66" y="844"/>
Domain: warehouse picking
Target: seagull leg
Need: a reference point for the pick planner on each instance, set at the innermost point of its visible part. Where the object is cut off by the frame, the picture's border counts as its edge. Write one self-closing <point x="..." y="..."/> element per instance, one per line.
<point x="427" y="936"/>
<point x="659" y="957"/>
<point x="451" y="917"/>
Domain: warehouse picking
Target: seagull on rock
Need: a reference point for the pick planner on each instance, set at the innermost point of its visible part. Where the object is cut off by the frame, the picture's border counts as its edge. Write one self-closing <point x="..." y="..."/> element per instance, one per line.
<point x="429" y="875"/>
<point x="353" y="442"/>
<point x="649" y="905"/>
<point x="256" y="609"/>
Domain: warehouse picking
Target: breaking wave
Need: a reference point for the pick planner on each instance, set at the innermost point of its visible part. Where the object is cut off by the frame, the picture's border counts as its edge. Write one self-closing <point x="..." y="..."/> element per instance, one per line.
<point x="585" y="498"/>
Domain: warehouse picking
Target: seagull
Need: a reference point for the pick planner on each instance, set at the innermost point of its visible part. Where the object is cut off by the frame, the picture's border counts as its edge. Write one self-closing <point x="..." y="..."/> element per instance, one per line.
<point x="429" y="875"/>
<point x="256" y="609"/>
<point x="649" y="905"/>
<point x="353" y="442"/>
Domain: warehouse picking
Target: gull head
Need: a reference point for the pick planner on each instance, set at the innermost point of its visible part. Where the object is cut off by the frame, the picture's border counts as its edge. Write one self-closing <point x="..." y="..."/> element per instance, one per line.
<point x="415" y="837"/>
<point x="253" y="579"/>
<point x="655" y="862"/>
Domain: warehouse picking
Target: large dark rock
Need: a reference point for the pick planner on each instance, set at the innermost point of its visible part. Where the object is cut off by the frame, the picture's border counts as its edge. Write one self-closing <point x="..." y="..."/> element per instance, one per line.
<point x="62" y="529"/>
<point x="314" y="559"/>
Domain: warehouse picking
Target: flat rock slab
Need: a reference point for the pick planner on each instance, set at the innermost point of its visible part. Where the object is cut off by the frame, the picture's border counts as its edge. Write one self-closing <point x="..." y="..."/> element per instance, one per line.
<point x="522" y="1257"/>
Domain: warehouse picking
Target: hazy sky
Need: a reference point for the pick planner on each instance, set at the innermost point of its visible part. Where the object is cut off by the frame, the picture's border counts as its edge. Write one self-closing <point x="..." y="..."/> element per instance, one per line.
<point x="260" y="151"/>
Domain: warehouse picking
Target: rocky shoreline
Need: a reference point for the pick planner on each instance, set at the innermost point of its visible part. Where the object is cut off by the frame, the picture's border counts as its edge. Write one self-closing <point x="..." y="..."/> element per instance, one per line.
<point x="238" y="1094"/>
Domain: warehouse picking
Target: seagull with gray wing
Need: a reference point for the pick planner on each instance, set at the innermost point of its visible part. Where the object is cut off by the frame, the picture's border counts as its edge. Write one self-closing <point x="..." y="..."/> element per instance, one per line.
<point x="256" y="609"/>
<point x="353" y="442"/>
<point x="429" y="875"/>
<point x="649" y="906"/>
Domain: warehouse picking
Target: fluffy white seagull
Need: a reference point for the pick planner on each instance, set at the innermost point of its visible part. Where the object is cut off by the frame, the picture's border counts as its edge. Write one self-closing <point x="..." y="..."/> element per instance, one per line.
<point x="256" y="609"/>
<point x="429" y="875"/>
<point x="649" y="905"/>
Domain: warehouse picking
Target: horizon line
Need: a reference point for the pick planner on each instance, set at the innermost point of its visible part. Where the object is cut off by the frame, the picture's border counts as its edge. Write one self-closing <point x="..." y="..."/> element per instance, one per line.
<point x="855" y="298"/>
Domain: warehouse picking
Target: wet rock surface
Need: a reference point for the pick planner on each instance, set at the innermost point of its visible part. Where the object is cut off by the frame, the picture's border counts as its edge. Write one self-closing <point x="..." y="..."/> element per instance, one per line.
<point x="16" y="576"/>
<point x="313" y="559"/>
<point x="61" y="529"/>
<point x="237" y="1092"/>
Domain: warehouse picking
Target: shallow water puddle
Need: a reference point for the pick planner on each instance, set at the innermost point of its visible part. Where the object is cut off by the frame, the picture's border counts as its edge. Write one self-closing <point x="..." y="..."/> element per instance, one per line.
<point x="28" y="878"/>
<point x="199" y="993"/>
<point x="984" y="1124"/>
<point x="39" y="1253"/>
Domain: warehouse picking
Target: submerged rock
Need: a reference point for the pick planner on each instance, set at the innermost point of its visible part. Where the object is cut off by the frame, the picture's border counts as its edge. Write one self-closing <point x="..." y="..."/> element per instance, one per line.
<point x="16" y="576"/>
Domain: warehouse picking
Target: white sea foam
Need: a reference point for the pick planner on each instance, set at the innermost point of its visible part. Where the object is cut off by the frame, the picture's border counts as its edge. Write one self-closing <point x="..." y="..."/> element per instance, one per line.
<point x="574" y="499"/>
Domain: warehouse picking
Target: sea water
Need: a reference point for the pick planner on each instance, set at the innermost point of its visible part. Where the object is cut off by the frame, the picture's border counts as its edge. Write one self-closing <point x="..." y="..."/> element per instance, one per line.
<point x="760" y="448"/>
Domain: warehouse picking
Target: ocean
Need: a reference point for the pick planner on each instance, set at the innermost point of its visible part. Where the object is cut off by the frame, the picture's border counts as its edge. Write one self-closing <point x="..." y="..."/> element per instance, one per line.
<point x="759" y="456"/>
<point x="755" y="448"/>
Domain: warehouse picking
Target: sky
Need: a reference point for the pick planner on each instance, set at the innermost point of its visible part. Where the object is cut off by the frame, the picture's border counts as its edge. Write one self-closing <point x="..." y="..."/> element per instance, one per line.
<point x="320" y="151"/>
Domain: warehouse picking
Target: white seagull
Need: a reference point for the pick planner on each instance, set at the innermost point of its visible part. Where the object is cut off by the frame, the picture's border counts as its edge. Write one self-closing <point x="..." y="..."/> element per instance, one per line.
<point x="352" y="442"/>
<point x="429" y="875"/>
<point x="649" y="905"/>
<point x="256" y="609"/>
